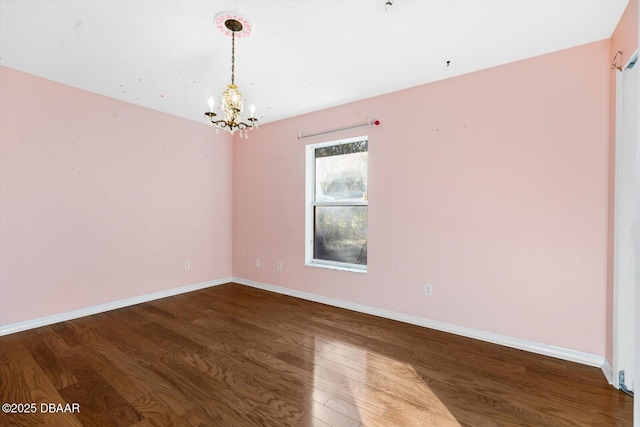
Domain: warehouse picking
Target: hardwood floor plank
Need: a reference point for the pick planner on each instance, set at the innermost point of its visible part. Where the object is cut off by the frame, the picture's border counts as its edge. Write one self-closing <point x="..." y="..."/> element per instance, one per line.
<point x="50" y="364"/>
<point x="333" y="417"/>
<point x="231" y="355"/>
<point x="355" y="412"/>
<point x="23" y="381"/>
<point x="66" y="331"/>
<point x="100" y="402"/>
<point x="156" y="411"/>
<point x="50" y="338"/>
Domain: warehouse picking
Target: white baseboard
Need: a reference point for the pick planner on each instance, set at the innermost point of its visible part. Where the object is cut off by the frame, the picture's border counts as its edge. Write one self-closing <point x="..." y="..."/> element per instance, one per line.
<point x="531" y="346"/>
<point x="88" y="311"/>
<point x="607" y="370"/>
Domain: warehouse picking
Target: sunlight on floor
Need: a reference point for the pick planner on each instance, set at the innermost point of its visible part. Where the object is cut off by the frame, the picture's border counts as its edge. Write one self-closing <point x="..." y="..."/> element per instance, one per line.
<point x="358" y="387"/>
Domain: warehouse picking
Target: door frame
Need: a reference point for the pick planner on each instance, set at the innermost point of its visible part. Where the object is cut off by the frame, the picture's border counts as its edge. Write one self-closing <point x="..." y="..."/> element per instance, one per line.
<point x="623" y="326"/>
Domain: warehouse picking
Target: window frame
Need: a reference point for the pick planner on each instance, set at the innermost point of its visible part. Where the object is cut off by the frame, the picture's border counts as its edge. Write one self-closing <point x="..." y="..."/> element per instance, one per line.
<point x="311" y="204"/>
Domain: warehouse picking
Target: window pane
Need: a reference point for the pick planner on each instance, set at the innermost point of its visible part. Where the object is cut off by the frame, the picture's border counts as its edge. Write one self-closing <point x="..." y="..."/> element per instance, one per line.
<point x="341" y="234"/>
<point x="341" y="172"/>
<point x="339" y="149"/>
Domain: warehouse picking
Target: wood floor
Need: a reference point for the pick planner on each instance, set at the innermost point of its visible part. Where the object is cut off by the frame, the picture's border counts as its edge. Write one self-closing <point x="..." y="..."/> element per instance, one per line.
<point x="237" y="356"/>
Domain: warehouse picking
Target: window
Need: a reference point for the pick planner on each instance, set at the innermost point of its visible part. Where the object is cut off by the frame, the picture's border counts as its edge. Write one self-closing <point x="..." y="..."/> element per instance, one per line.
<point x="337" y="204"/>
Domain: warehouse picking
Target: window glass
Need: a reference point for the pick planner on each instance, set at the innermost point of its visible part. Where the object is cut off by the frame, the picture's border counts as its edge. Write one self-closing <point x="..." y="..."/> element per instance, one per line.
<point x="340" y="234"/>
<point x="341" y="177"/>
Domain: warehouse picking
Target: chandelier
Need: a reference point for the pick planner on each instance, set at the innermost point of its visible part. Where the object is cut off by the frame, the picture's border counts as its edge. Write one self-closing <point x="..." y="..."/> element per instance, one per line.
<point x="230" y="23"/>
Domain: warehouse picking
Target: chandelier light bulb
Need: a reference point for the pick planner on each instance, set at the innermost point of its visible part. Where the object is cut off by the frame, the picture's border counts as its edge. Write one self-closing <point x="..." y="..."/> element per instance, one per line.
<point x="253" y="111"/>
<point x="211" y="104"/>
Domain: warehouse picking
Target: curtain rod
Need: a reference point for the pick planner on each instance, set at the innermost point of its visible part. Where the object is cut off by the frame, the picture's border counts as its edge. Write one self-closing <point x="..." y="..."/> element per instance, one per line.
<point x="369" y="122"/>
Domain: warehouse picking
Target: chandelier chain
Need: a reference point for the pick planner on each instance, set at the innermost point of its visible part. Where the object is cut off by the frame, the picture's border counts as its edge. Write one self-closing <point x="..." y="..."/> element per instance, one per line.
<point x="233" y="57"/>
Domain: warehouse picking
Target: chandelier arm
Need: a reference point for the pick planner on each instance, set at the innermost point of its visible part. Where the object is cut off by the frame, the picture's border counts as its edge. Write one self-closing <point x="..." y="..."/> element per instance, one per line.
<point x="232" y="126"/>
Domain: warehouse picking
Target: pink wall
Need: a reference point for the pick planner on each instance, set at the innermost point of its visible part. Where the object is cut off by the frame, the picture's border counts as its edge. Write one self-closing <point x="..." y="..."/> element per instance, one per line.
<point x="103" y="200"/>
<point x="492" y="186"/>
<point x="624" y="38"/>
<point x="498" y="197"/>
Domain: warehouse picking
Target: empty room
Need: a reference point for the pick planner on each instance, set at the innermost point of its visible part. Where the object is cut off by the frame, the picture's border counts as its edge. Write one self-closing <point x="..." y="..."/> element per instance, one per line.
<point x="188" y="190"/>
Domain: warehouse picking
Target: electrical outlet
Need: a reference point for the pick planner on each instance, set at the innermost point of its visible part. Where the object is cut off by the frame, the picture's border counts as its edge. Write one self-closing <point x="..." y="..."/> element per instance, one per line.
<point x="279" y="266"/>
<point x="428" y="289"/>
<point x="187" y="265"/>
<point x="257" y="262"/>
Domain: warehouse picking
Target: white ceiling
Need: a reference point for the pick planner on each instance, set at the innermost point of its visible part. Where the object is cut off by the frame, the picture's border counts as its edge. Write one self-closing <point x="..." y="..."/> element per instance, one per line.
<point x="301" y="56"/>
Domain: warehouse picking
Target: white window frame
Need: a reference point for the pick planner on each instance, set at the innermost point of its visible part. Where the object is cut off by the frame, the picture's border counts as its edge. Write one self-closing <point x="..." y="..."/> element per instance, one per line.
<point x="310" y="204"/>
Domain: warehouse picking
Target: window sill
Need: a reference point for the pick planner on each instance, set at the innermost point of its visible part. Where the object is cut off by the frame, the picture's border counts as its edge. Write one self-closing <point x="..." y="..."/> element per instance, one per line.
<point x="337" y="267"/>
